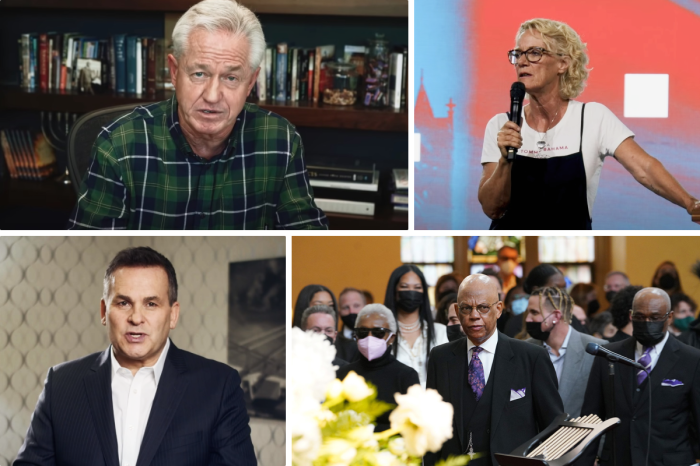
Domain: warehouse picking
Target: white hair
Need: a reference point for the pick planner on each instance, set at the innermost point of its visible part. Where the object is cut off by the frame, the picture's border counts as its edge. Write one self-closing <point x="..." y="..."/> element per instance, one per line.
<point x="221" y="15"/>
<point x="380" y="309"/>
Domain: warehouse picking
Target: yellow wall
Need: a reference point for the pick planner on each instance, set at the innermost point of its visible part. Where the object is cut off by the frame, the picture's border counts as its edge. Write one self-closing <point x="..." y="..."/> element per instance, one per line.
<point x="645" y="253"/>
<point x="363" y="262"/>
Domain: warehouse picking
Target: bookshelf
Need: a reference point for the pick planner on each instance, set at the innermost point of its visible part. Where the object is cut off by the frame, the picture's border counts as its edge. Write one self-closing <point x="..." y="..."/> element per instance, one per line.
<point x="356" y="132"/>
<point x="300" y="113"/>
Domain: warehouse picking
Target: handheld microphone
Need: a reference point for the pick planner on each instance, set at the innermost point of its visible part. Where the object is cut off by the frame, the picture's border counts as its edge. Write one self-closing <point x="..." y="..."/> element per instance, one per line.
<point x="517" y="95"/>
<point x="597" y="350"/>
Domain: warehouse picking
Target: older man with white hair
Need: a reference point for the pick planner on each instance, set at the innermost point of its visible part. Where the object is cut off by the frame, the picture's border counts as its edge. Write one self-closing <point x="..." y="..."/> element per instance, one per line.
<point x="375" y="331"/>
<point x="672" y="375"/>
<point x="203" y="159"/>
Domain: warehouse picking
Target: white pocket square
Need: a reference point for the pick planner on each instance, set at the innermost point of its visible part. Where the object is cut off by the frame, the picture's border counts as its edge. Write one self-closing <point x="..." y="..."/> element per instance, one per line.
<point x="517" y="394"/>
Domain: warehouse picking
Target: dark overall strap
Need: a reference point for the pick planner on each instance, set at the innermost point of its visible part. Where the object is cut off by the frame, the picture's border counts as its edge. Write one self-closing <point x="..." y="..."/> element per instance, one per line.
<point x="580" y="148"/>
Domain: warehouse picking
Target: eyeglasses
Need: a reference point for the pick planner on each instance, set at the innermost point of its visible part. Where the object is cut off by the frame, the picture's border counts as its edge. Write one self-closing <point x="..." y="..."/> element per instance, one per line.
<point x="533" y="55"/>
<point x="363" y="332"/>
<point x="482" y="308"/>
<point x="642" y="318"/>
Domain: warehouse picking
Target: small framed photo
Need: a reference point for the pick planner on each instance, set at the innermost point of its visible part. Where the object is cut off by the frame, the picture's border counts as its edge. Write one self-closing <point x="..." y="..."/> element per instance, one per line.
<point x="88" y="76"/>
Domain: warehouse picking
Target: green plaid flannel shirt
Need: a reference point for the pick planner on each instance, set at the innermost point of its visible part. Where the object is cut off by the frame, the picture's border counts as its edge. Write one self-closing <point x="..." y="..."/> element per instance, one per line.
<point x="144" y="175"/>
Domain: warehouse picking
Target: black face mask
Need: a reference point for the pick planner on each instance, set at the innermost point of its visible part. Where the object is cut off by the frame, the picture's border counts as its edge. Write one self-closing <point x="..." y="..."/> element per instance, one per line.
<point x="593" y="307"/>
<point x="454" y="332"/>
<point x="330" y="340"/>
<point x="409" y="301"/>
<point x="609" y="295"/>
<point x="349" y="320"/>
<point x="534" y="329"/>
<point x="648" y="333"/>
<point x="667" y="281"/>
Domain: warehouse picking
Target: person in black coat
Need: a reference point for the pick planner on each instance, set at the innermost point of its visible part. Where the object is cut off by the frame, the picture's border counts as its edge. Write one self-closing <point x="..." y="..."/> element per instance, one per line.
<point x="674" y="382"/>
<point x="504" y="396"/>
<point x="375" y="330"/>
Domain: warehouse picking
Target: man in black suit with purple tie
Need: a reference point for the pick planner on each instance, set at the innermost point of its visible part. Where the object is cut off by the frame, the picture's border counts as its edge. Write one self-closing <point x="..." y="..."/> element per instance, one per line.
<point x="674" y="381"/>
<point x="142" y="401"/>
<point x="504" y="391"/>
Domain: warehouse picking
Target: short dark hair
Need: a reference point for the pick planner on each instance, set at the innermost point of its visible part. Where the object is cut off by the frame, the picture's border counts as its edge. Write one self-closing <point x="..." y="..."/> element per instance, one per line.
<point x="539" y="276"/>
<point x="491" y="272"/>
<point x="622" y="304"/>
<point x="677" y="298"/>
<point x="142" y="256"/>
<point x="318" y="309"/>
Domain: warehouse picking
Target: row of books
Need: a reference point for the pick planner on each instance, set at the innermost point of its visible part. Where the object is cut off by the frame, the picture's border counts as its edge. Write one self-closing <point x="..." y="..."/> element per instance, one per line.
<point x="399" y="189"/>
<point x="28" y="154"/>
<point x="300" y="74"/>
<point x="122" y="63"/>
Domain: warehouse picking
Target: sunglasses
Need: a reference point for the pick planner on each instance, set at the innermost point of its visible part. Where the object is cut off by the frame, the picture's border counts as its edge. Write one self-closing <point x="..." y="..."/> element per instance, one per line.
<point x="378" y="332"/>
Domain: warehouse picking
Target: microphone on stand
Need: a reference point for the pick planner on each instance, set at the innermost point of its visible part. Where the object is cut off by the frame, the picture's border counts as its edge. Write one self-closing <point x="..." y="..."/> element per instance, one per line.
<point x="517" y="95"/>
<point x="597" y="350"/>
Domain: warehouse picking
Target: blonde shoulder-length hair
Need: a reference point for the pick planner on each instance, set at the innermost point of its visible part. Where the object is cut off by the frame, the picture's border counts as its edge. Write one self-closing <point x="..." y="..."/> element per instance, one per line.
<point x="561" y="39"/>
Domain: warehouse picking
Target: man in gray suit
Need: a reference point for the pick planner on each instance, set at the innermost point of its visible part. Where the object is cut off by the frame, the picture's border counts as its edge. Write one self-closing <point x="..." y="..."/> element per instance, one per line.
<point x="548" y="323"/>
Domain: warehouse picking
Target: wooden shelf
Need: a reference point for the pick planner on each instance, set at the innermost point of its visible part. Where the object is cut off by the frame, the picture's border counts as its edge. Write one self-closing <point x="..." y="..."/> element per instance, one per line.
<point x="389" y="8"/>
<point x="303" y="114"/>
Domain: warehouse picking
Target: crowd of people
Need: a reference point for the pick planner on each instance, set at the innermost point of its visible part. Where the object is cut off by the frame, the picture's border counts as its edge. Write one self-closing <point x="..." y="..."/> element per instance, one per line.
<point x="501" y="347"/>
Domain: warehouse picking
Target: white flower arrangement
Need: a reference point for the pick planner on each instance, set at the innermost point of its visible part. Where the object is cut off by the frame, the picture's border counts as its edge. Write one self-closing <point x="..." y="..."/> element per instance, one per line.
<point x="331" y="420"/>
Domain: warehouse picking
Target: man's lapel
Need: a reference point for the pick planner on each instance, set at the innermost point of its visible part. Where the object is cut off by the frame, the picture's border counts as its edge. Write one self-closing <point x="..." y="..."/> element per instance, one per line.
<point x="503" y="369"/>
<point x="171" y="387"/>
<point x="457" y="386"/>
<point x="667" y="359"/>
<point x="98" y="386"/>
<point x="573" y="362"/>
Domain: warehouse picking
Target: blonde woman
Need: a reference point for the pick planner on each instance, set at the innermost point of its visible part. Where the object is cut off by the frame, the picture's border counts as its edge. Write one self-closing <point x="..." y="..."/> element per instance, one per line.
<point x="562" y="142"/>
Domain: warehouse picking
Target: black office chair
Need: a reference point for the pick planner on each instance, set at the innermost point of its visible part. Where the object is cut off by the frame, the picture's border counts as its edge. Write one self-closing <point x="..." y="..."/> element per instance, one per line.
<point x="83" y="134"/>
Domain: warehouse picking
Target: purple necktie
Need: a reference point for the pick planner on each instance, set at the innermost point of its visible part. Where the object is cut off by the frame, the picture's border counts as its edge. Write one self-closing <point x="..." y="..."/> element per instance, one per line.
<point x="476" y="373"/>
<point x="645" y="361"/>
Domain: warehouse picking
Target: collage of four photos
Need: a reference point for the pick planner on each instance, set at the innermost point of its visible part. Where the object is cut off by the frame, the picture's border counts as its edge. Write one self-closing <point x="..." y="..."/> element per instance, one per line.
<point x="407" y="332"/>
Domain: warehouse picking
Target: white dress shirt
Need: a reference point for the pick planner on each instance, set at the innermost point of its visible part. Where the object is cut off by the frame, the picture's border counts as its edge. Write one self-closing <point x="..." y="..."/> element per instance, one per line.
<point x="416" y="357"/>
<point x="132" y="398"/>
<point x="558" y="361"/>
<point x="654" y="353"/>
<point x="485" y="356"/>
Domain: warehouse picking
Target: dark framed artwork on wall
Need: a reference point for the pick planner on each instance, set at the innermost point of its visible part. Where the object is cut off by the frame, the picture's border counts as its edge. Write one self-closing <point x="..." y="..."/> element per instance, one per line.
<point x="257" y="334"/>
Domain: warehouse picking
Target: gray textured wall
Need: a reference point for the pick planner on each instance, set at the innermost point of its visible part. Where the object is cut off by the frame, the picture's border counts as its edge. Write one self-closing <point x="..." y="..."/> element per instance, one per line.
<point x="50" y="290"/>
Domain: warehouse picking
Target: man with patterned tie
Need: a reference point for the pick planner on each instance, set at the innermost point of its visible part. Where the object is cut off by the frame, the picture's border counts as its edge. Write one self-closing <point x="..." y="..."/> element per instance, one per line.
<point x="504" y="391"/>
<point x="673" y="376"/>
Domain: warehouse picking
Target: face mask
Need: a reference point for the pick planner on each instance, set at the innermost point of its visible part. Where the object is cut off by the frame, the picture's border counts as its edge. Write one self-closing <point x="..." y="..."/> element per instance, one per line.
<point x="507" y="267"/>
<point x="349" y="320"/>
<point x="534" y="329"/>
<point x="593" y="307"/>
<point x="667" y="281"/>
<point x="609" y="295"/>
<point x="454" y="332"/>
<point x="648" y="333"/>
<point x="682" y="324"/>
<point x="410" y="301"/>
<point x="518" y="306"/>
<point x="330" y="340"/>
<point x="372" y="347"/>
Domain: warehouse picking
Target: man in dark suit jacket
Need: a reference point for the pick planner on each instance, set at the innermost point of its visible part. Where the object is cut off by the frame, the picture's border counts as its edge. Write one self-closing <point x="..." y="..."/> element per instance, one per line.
<point x="675" y="391"/>
<point x="503" y="394"/>
<point x="142" y="401"/>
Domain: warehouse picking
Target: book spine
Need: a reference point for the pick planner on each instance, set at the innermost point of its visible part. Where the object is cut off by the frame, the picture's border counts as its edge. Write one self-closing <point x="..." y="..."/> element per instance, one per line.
<point x="317" y="73"/>
<point x="49" y="59"/>
<point x="281" y="75"/>
<point x="20" y="78"/>
<point x="395" y="72"/>
<point x="25" y="60"/>
<point x="269" y="74"/>
<point x="295" y="75"/>
<point x="144" y="64"/>
<point x="261" y="81"/>
<point x="69" y="64"/>
<point x="288" y="84"/>
<point x="43" y="62"/>
<point x="104" y="59"/>
<point x="160" y="63"/>
<point x="311" y="72"/>
<point x="404" y="77"/>
<point x="151" y="67"/>
<point x="58" y="60"/>
<point x="131" y="64"/>
<point x="139" y="66"/>
<point x="33" y="62"/>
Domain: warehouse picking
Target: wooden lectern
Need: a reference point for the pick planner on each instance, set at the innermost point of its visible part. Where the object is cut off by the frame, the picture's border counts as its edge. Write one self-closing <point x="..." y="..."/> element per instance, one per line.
<point x="560" y="443"/>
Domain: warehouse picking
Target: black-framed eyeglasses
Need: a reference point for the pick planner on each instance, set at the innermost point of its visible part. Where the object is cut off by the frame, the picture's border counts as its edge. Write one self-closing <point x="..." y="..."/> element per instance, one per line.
<point x="641" y="318"/>
<point x="379" y="332"/>
<point x="533" y="54"/>
<point x="483" y="309"/>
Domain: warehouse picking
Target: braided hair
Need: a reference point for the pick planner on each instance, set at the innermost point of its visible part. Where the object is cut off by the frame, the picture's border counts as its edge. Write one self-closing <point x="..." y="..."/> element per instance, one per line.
<point x="557" y="299"/>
